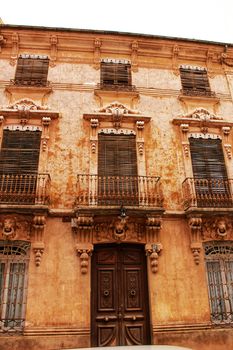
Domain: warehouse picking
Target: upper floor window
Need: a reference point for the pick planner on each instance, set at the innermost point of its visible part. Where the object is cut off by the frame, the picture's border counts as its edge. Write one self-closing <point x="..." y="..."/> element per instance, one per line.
<point x="32" y="70"/>
<point x="14" y="258"/>
<point x="117" y="170"/>
<point x="219" y="266"/>
<point x="19" y="158"/>
<point x="209" y="171"/>
<point x="115" y="74"/>
<point x="195" y="81"/>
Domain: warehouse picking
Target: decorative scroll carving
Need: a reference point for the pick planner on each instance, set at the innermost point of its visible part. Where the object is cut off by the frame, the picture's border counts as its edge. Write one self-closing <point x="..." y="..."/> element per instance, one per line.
<point x="226" y="59"/>
<point x="202" y="114"/>
<point x="217" y="228"/>
<point x="15" y="49"/>
<point x="45" y="136"/>
<point x="83" y="227"/>
<point x="134" y="56"/>
<point x="38" y="244"/>
<point x="96" y="57"/>
<point x="195" y="224"/>
<point x="84" y="253"/>
<point x="117" y="108"/>
<point x="24" y="105"/>
<point x="53" y="50"/>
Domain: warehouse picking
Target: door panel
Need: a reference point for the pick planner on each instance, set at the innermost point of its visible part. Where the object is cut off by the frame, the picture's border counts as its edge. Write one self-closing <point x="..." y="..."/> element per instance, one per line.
<point x="119" y="296"/>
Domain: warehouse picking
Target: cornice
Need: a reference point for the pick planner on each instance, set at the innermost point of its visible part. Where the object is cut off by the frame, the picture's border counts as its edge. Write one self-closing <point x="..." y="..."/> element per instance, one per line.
<point x="81" y="44"/>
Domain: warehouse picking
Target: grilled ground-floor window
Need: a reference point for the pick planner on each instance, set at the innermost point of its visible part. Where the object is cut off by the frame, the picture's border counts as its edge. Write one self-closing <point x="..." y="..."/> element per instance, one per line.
<point x="209" y="172"/>
<point x="14" y="259"/>
<point x="117" y="169"/>
<point x="219" y="266"/>
<point x="19" y="158"/>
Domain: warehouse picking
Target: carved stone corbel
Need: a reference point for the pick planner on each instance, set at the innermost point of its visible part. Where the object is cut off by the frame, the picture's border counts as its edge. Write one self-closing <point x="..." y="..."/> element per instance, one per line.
<point x="152" y="251"/>
<point x="45" y="134"/>
<point x="226" y="132"/>
<point x="195" y="224"/>
<point x="93" y="137"/>
<point x="38" y="244"/>
<point x="83" y="226"/>
<point x="153" y="246"/>
<point x="15" y="49"/>
<point x="84" y="252"/>
<point x="96" y="56"/>
<point x="175" y="55"/>
<point x="134" y="56"/>
<point x="53" y="50"/>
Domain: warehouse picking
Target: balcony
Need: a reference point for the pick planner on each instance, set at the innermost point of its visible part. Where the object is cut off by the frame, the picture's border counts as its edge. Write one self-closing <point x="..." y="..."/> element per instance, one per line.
<point x="207" y="193"/>
<point x="116" y="87"/>
<point x="134" y="191"/>
<point x="198" y="93"/>
<point x="24" y="189"/>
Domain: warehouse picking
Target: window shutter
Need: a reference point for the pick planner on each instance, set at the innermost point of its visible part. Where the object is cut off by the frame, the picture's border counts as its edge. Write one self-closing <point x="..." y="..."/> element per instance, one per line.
<point x="32" y="71"/>
<point x="195" y="80"/>
<point x="20" y="152"/>
<point x="207" y="158"/>
<point x="117" y="155"/>
<point x="115" y="74"/>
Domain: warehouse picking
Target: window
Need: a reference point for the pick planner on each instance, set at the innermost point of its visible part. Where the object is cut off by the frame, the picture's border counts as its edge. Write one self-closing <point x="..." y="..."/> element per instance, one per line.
<point x="14" y="258"/>
<point x="32" y="70"/>
<point x="219" y="266"/>
<point x="19" y="159"/>
<point x="115" y="74"/>
<point x="195" y="81"/>
<point x="117" y="170"/>
<point x="209" y="172"/>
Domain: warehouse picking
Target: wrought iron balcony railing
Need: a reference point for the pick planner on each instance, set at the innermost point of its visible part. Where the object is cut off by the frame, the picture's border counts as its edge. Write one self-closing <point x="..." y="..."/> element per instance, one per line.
<point x="198" y="92"/>
<point x="116" y="87"/>
<point x="95" y="190"/>
<point x="208" y="193"/>
<point x="24" y="188"/>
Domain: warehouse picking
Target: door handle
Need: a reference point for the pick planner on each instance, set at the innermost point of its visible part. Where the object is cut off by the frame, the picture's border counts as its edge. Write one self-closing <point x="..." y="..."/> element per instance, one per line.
<point x="106" y="318"/>
<point x="133" y="318"/>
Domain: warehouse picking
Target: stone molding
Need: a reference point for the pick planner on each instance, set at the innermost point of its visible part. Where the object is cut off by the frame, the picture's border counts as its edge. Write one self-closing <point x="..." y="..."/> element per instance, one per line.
<point x="208" y="228"/>
<point x="27" y="228"/>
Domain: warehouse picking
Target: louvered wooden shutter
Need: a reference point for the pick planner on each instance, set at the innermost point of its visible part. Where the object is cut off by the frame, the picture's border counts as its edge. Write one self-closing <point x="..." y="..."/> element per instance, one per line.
<point x="20" y="152"/>
<point x="207" y="158"/>
<point x="115" y="74"/>
<point x="32" y="71"/>
<point x="195" y="80"/>
<point x="117" y="155"/>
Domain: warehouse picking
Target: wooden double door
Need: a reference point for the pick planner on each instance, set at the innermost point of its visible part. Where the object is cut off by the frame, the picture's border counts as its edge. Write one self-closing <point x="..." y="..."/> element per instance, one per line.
<point x="120" y="312"/>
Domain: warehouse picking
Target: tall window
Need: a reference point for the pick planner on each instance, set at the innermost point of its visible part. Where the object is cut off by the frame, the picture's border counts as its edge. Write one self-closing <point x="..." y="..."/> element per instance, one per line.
<point x="115" y="73"/>
<point x="32" y="70"/>
<point x="14" y="258"/>
<point x="219" y="266"/>
<point x="209" y="172"/>
<point x="117" y="170"/>
<point x="195" y="81"/>
<point x="19" y="157"/>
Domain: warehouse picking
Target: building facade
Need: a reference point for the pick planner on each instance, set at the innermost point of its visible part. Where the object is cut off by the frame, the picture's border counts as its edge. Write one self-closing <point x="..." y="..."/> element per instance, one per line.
<point x="116" y="205"/>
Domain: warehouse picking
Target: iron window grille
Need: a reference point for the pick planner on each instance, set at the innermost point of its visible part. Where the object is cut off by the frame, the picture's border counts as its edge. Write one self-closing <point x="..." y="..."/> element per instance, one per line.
<point x="195" y="82"/>
<point x="14" y="259"/>
<point x="31" y="70"/>
<point x="219" y="267"/>
<point x="115" y="74"/>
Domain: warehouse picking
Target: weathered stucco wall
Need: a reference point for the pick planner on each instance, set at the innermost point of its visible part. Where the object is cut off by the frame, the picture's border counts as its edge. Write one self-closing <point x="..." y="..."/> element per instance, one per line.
<point x="58" y="313"/>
